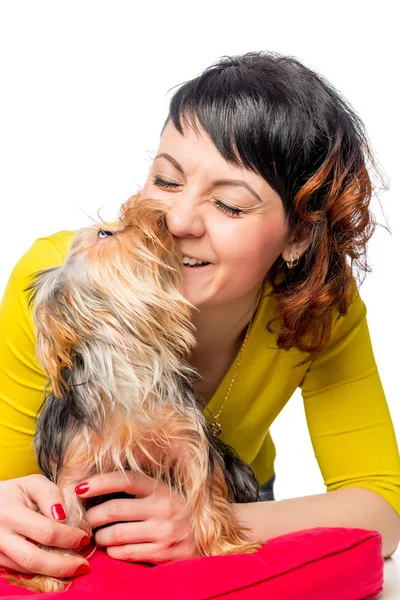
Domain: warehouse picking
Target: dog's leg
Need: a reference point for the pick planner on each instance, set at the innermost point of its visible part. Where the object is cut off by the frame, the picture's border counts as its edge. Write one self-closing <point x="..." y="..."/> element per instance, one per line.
<point x="215" y="527"/>
<point x="198" y="472"/>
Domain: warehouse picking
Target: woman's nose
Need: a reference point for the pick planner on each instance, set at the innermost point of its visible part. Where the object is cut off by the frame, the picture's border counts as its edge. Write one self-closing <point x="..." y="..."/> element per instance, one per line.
<point x="184" y="219"/>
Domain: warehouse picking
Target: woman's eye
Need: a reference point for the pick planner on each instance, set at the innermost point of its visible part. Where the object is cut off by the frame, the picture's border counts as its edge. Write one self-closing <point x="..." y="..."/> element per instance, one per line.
<point x="164" y="184"/>
<point x="229" y="210"/>
<point x="103" y="233"/>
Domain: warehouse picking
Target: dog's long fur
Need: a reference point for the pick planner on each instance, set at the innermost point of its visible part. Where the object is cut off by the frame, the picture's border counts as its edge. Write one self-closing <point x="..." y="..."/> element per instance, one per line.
<point x="113" y="334"/>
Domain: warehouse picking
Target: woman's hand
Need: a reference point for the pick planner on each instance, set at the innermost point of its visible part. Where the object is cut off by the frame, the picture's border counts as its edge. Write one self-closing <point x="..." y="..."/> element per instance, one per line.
<point x="22" y="527"/>
<point x="155" y="527"/>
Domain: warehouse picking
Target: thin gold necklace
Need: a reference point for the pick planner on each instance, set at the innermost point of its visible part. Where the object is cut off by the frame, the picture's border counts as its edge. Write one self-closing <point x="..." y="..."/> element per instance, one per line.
<point x="216" y="427"/>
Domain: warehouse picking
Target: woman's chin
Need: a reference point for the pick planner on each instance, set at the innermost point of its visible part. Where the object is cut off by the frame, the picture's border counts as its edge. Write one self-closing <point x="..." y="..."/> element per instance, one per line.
<point x="198" y="283"/>
<point x="195" y="297"/>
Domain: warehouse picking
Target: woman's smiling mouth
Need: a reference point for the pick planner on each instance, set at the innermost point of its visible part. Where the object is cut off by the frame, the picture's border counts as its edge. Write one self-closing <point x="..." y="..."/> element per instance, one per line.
<point x="189" y="261"/>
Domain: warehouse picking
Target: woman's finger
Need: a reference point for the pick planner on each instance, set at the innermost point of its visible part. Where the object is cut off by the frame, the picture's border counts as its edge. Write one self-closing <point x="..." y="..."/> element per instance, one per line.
<point x="9" y="566"/>
<point x="46" y="495"/>
<point x="136" y="509"/>
<point x="126" y="533"/>
<point x="151" y="553"/>
<point x="118" y="481"/>
<point x="31" y="559"/>
<point x="47" y="531"/>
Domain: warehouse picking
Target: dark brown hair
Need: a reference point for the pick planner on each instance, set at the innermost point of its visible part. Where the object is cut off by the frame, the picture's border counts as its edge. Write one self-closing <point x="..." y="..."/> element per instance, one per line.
<point x="271" y="114"/>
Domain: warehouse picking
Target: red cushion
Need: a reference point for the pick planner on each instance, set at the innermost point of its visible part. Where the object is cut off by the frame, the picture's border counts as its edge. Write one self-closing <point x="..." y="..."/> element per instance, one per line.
<point x="318" y="564"/>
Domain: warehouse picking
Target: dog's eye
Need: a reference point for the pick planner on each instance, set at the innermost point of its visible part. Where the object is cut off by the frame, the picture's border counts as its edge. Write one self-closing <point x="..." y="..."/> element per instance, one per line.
<point x="103" y="234"/>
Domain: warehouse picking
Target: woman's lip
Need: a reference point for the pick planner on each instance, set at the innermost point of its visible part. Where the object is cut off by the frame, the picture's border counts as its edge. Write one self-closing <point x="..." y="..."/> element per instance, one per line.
<point x="188" y="267"/>
<point x="195" y="257"/>
<point x="202" y="259"/>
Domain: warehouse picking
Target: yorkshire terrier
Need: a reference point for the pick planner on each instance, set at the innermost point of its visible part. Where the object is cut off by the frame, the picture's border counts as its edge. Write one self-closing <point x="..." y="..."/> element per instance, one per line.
<point x="113" y="335"/>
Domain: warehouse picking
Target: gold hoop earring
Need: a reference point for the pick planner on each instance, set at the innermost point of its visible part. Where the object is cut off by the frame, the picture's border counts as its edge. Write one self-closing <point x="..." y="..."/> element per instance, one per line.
<point x="293" y="261"/>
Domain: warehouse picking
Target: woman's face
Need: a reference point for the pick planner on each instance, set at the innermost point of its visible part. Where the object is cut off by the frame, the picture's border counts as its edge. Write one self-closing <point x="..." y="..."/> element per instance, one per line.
<point x="224" y="215"/>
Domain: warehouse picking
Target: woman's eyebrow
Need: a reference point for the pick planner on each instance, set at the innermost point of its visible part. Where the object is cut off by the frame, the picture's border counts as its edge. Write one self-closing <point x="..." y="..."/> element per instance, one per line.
<point x="171" y="160"/>
<point x="234" y="182"/>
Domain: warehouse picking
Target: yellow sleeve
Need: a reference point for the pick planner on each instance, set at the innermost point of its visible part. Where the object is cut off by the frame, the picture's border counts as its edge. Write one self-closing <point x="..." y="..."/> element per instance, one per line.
<point x="22" y="380"/>
<point x="347" y="414"/>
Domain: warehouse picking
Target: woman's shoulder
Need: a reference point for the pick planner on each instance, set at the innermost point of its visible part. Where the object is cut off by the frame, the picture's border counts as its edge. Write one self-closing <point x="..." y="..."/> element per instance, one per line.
<point x="54" y="247"/>
<point x="44" y="252"/>
<point x="340" y="323"/>
<point x="347" y="324"/>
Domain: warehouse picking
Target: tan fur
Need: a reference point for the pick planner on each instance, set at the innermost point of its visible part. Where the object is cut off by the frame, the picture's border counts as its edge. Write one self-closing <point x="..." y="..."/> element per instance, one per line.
<point x="126" y="293"/>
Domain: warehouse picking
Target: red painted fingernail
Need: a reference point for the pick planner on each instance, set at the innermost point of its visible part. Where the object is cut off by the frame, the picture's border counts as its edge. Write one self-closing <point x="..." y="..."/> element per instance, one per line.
<point x="82" y="488"/>
<point x="84" y="541"/>
<point x="58" y="512"/>
<point x="82" y="570"/>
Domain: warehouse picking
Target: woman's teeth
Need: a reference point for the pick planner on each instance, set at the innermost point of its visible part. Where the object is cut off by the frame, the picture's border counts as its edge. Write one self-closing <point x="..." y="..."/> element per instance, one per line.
<point x="194" y="262"/>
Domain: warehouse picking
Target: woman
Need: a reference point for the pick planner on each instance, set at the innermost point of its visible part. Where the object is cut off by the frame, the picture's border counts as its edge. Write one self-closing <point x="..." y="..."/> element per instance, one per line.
<point x="263" y="167"/>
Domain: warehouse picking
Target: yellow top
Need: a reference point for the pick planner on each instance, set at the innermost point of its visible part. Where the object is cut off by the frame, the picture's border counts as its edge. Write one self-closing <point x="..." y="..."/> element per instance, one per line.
<point x="347" y="414"/>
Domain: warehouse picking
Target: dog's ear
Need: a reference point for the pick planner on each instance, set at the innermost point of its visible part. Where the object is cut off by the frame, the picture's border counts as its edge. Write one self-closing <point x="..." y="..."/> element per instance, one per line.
<point x="56" y="335"/>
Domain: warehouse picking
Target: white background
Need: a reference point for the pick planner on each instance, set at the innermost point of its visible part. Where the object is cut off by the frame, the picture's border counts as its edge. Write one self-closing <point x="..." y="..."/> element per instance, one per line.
<point x="84" y="95"/>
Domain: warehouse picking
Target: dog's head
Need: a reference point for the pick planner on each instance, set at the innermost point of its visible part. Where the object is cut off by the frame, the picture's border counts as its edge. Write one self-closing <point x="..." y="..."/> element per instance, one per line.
<point x="120" y="286"/>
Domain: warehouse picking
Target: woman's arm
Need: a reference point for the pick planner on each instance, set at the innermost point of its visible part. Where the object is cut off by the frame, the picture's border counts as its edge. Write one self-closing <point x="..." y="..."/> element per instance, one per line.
<point x="353" y="440"/>
<point x="351" y="507"/>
